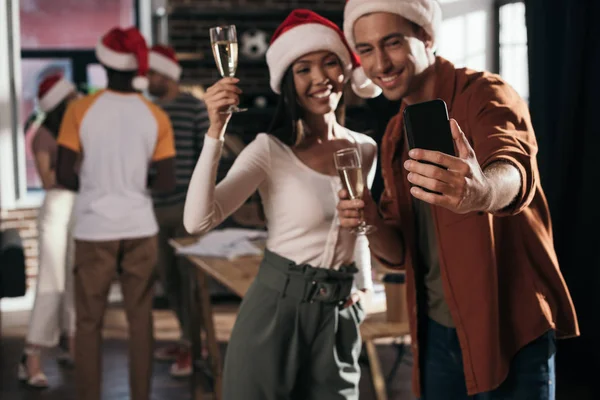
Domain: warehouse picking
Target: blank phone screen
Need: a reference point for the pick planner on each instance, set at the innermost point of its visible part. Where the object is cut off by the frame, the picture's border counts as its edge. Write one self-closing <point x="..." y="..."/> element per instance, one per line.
<point x="428" y="127"/>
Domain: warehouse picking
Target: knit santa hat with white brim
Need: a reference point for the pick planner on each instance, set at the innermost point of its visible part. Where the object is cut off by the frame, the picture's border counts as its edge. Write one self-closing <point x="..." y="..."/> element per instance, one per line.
<point x="163" y="60"/>
<point x="52" y="91"/>
<point x="425" y="13"/>
<point x="125" y="50"/>
<point x="305" y="31"/>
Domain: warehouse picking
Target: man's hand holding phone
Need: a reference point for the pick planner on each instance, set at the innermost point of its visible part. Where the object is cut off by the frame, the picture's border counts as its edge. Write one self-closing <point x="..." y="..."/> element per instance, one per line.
<point x="461" y="184"/>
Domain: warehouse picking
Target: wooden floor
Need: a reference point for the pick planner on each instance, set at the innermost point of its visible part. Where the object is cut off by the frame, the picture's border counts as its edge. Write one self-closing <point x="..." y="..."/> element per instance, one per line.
<point x="115" y="377"/>
<point x="115" y="385"/>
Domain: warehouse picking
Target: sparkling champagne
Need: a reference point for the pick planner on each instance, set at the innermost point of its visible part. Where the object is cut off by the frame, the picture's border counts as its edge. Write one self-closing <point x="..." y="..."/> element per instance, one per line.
<point x="352" y="179"/>
<point x="226" y="57"/>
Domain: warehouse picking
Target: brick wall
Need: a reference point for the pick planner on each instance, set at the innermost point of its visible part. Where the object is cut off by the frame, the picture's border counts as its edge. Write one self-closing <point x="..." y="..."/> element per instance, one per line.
<point x="25" y="220"/>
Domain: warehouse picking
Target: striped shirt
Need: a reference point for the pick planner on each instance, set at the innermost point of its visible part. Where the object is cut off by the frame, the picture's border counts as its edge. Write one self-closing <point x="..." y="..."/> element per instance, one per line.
<point x="190" y="122"/>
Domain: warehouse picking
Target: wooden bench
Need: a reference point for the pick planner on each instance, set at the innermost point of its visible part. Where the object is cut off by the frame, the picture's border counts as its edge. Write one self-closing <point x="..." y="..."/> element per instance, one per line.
<point x="238" y="275"/>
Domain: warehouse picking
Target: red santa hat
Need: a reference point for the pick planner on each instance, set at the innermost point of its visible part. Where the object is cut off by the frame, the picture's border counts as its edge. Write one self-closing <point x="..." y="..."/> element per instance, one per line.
<point x="164" y="60"/>
<point x="52" y="91"/>
<point x="425" y="13"/>
<point x="305" y="31"/>
<point x="125" y="50"/>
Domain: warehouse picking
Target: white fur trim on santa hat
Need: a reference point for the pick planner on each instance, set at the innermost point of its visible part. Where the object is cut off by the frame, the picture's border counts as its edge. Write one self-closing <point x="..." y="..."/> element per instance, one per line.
<point x="425" y="13"/>
<point x="114" y="59"/>
<point x="140" y="83"/>
<point x="56" y="95"/>
<point x="301" y="40"/>
<point x="164" y="65"/>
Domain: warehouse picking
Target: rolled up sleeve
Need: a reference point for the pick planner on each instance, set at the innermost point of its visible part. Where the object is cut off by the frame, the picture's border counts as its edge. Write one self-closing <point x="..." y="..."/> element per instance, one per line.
<point x="501" y="130"/>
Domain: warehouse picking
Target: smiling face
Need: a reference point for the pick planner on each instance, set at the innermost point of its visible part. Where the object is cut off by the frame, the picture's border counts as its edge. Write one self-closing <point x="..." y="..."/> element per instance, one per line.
<point x="319" y="82"/>
<point x="393" y="52"/>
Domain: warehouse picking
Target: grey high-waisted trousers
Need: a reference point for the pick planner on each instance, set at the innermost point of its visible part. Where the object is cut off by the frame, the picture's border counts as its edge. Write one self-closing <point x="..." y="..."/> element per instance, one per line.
<point x="292" y="339"/>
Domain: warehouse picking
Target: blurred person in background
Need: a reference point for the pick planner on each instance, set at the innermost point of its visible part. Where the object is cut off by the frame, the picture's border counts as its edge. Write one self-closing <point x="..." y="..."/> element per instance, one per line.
<point x="189" y="119"/>
<point x="119" y="136"/>
<point x="53" y="310"/>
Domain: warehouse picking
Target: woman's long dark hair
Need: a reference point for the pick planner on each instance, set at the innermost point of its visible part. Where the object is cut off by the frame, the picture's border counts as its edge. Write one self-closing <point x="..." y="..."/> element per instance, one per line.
<point x="287" y="123"/>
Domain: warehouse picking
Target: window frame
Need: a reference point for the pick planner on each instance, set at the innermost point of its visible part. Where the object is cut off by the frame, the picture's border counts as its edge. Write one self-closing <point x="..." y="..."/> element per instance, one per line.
<point x="14" y="193"/>
<point x="496" y="56"/>
<point x="498" y="4"/>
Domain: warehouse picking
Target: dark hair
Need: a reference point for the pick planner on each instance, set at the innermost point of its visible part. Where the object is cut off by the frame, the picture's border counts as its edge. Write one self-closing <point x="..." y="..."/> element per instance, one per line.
<point x="415" y="27"/>
<point x="54" y="118"/>
<point x="286" y="125"/>
<point x="119" y="74"/>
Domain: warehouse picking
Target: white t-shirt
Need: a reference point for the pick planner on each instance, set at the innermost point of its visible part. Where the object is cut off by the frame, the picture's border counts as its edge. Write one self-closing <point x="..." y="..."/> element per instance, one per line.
<point x="119" y="136"/>
<point x="299" y="202"/>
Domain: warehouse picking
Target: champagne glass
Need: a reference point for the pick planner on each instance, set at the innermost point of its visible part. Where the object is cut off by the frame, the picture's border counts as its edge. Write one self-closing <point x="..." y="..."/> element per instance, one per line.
<point x="348" y="164"/>
<point x="223" y="40"/>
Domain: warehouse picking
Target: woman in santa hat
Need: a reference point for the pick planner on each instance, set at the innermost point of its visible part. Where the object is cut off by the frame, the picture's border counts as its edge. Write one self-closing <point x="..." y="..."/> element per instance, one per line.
<point x="297" y="331"/>
<point x="53" y="309"/>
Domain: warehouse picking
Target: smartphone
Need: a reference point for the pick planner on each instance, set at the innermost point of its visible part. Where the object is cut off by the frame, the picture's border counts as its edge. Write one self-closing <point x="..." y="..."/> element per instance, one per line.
<point x="427" y="126"/>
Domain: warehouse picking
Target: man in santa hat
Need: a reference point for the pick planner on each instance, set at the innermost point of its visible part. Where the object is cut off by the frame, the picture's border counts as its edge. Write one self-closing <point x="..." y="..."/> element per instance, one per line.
<point x="485" y="292"/>
<point x="118" y="134"/>
<point x="190" y="122"/>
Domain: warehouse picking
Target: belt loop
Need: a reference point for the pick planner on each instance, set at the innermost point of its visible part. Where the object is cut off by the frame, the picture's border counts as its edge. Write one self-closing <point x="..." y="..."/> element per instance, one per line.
<point x="285" y="285"/>
<point x="311" y="286"/>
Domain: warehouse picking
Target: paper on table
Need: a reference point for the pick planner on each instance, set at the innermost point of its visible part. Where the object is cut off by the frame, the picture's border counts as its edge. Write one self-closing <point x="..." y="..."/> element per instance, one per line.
<point x="229" y="243"/>
<point x="243" y="248"/>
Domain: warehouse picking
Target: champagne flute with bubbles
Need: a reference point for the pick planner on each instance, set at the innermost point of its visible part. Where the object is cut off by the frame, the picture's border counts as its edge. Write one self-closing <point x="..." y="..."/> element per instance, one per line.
<point x="348" y="164"/>
<point x="223" y="40"/>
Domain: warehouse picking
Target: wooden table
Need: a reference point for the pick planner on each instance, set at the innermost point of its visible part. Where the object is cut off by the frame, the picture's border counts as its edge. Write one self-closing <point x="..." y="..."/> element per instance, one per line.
<point x="238" y="275"/>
